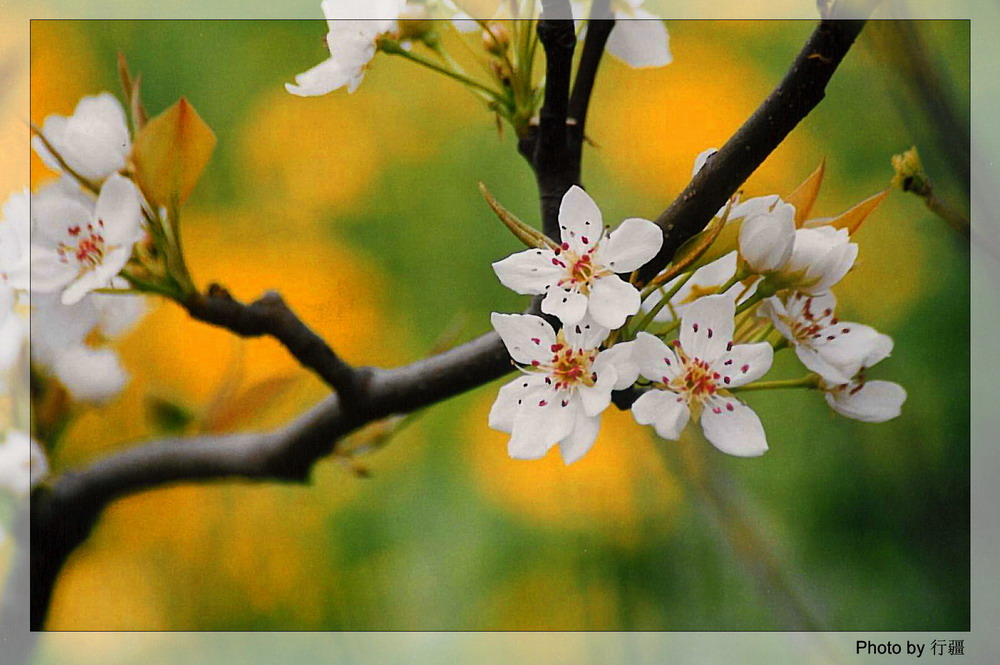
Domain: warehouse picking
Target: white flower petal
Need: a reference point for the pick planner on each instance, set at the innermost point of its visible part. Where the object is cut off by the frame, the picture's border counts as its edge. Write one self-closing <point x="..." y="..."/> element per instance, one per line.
<point x="620" y="357"/>
<point x="640" y="42"/>
<point x="586" y="334"/>
<point x="612" y="300"/>
<point x="325" y="77"/>
<point x="90" y="375"/>
<point x="596" y="398"/>
<point x="539" y="425"/>
<point x="666" y="411"/>
<point x="569" y="306"/>
<point x="733" y="427"/>
<point x="631" y="245"/>
<point x="744" y="363"/>
<point x="529" y="272"/>
<point x="581" y="439"/>
<point x="527" y="338"/>
<point x="119" y="208"/>
<point x="872" y="402"/>
<point x="655" y="360"/>
<point x="48" y="272"/>
<point x="579" y="217"/>
<point x="700" y="160"/>
<point x="95" y="140"/>
<point x="707" y="327"/>
<point x="766" y="239"/>
<point x="509" y="398"/>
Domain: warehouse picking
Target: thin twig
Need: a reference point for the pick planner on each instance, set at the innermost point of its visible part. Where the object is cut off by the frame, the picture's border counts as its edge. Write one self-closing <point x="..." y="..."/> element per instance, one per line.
<point x="270" y="315"/>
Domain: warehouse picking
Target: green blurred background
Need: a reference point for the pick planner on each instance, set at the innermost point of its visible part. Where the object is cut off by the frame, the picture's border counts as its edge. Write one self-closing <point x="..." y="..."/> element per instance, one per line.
<point x="363" y="210"/>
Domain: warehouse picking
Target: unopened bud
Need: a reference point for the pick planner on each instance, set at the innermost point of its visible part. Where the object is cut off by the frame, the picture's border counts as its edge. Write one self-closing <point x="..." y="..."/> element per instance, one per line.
<point x="496" y="40"/>
<point x="909" y="176"/>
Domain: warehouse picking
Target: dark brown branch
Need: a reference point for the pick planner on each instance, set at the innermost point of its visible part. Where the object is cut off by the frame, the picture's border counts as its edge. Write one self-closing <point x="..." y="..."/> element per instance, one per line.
<point x="64" y="513"/>
<point x="552" y="152"/>
<point x="802" y="88"/>
<point x="270" y="315"/>
<point x="599" y="28"/>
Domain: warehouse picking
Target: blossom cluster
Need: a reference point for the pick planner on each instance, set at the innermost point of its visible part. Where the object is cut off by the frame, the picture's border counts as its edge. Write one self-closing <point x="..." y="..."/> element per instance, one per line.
<point x="359" y="29"/>
<point x="689" y="342"/>
<point x="62" y="252"/>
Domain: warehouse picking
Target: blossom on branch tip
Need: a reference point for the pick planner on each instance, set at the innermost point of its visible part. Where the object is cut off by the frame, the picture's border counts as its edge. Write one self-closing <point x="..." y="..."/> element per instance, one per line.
<point x="93" y="142"/>
<point x="767" y="237"/>
<point x="78" y="248"/>
<point x="354" y="28"/>
<point x="579" y="278"/>
<point x="639" y="39"/>
<point x="565" y="384"/>
<point x="693" y="379"/>
<point x="834" y="349"/>
<point x="820" y="258"/>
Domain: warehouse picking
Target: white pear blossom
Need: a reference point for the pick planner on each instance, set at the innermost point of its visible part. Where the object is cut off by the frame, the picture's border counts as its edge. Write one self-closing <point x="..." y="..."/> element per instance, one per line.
<point x="22" y="463"/>
<point x="639" y="38"/>
<point x="693" y="380"/>
<point x="767" y="237"/>
<point x="78" y="248"/>
<point x="354" y="27"/>
<point x="94" y="141"/>
<point x="867" y="401"/>
<point x="579" y="278"/>
<point x="15" y="229"/>
<point x="566" y="383"/>
<point x="62" y="338"/>
<point x="860" y="399"/>
<point x="820" y="258"/>
<point x="834" y="349"/>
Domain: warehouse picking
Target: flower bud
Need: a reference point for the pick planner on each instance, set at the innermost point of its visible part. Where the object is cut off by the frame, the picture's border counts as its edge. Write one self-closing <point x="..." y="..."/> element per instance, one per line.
<point x="766" y="238"/>
<point x="496" y="39"/>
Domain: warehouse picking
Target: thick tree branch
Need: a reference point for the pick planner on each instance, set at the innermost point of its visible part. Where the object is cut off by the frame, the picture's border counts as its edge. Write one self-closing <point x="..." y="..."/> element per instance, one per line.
<point x="64" y="513"/>
<point x="598" y="30"/>
<point x="270" y="315"/>
<point x="802" y="88"/>
<point x="550" y="149"/>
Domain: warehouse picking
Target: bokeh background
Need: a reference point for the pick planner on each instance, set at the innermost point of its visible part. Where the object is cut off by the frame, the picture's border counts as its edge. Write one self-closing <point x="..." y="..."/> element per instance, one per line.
<point x="363" y="210"/>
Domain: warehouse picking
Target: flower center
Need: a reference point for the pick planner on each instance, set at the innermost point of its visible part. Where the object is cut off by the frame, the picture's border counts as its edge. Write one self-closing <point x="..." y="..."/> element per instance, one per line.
<point x="89" y="249"/>
<point x="696" y="381"/>
<point x="568" y="367"/>
<point x="809" y="326"/>
<point x="581" y="270"/>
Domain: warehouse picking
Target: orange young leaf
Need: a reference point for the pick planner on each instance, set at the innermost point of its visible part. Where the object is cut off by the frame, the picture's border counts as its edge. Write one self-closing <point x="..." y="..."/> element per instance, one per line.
<point x="853" y="218"/>
<point x="805" y="194"/>
<point x="249" y="402"/>
<point x="170" y="153"/>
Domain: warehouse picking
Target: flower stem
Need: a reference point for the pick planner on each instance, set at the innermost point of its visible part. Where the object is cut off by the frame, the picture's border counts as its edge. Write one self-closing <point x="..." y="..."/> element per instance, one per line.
<point x="664" y="301"/>
<point x="393" y="48"/>
<point x="807" y="381"/>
